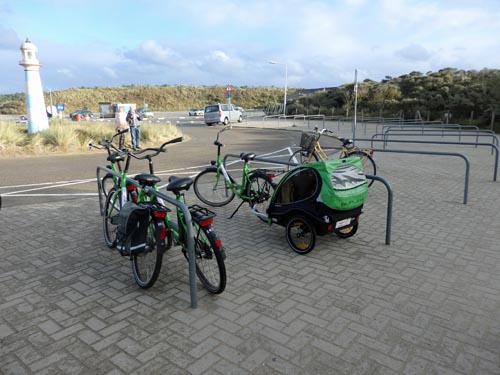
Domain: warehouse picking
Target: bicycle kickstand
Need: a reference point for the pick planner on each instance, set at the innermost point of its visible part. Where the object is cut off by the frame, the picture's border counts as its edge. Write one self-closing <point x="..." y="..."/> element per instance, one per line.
<point x="237" y="208"/>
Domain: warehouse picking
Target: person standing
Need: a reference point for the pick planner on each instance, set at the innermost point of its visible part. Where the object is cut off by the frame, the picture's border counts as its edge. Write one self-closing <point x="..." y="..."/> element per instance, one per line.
<point x="135" y="128"/>
<point x="121" y="124"/>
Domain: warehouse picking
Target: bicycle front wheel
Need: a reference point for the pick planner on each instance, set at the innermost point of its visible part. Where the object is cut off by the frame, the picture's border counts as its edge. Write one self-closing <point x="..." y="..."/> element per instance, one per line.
<point x="367" y="161"/>
<point x="112" y="209"/>
<point x="260" y="190"/>
<point x="146" y="264"/>
<point x="209" y="258"/>
<point x="107" y="183"/>
<point x="211" y="188"/>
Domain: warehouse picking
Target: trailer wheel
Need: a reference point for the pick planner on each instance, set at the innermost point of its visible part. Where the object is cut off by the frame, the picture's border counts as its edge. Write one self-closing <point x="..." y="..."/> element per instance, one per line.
<point x="300" y="234"/>
<point x="347" y="231"/>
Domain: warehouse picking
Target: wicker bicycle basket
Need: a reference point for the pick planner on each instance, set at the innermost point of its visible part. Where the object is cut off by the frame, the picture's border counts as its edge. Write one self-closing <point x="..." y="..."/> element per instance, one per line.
<point x="308" y="141"/>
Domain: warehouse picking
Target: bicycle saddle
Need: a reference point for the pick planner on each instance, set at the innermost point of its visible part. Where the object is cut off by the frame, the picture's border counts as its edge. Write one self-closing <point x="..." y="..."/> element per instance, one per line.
<point x="247" y="156"/>
<point x="117" y="156"/>
<point x="176" y="184"/>
<point x="146" y="179"/>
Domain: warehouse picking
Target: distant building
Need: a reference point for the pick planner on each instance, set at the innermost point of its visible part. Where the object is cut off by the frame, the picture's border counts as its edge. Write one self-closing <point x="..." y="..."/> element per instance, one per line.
<point x="108" y="109"/>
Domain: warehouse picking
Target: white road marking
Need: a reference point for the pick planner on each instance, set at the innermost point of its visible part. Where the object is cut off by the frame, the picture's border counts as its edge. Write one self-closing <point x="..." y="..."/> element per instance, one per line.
<point x="27" y="188"/>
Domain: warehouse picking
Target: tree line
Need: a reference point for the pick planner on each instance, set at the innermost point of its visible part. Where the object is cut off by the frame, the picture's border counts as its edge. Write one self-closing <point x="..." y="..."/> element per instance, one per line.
<point x="461" y="96"/>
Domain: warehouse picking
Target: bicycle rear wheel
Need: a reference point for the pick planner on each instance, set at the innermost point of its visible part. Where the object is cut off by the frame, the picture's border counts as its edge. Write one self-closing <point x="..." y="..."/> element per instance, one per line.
<point x="211" y="188"/>
<point x="112" y="209"/>
<point x="260" y="189"/>
<point x="146" y="264"/>
<point x="209" y="258"/>
<point x="302" y="157"/>
<point x="368" y="163"/>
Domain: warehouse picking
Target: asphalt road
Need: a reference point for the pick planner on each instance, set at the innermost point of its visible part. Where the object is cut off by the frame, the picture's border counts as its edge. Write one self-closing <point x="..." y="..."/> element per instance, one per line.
<point x="31" y="180"/>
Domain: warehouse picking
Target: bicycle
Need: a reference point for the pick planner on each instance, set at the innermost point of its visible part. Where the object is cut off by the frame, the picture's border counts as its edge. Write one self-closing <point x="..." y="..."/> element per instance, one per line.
<point x="146" y="254"/>
<point x="209" y="252"/>
<point x="216" y="187"/>
<point x="311" y="150"/>
<point x="116" y="155"/>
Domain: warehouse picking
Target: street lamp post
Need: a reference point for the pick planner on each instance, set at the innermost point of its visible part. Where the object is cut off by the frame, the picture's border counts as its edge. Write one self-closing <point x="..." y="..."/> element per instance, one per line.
<point x="286" y="82"/>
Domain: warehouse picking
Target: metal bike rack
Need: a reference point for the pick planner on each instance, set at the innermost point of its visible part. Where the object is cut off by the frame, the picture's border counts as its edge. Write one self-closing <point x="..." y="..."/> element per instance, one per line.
<point x="187" y="216"/>
<point x="388" y="223"/>
<point x="494" y="147"/>
<point x="427" y="126"/>
<point x="444" y="132"/>
<point x="441" y="153"/>
<point x="377" y="178"/>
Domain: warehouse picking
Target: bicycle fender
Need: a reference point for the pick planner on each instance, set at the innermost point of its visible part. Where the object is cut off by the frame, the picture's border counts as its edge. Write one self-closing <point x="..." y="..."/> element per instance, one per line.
<point x="162" y="235"/>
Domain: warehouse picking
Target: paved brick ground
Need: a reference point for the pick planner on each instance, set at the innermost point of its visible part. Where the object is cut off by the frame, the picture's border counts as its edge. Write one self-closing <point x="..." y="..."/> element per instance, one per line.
<point x="427" y="304"/>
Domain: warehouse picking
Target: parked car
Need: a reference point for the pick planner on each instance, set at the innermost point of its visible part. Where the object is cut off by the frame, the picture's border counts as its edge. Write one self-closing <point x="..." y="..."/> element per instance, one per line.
<point x="22" y="120"/>
<point x="82" y="112"/>
<point x="225" y="113"/>
<point x="196" y="112"/>
<point x="145" y="113"/>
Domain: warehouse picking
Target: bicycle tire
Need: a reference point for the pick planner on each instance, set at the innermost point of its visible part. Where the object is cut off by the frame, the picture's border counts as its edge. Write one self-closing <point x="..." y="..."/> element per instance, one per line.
<point x="260" y="189"/>
<point x="301" y="157"/>
<point x="348" y="231"/>
<point x="300" y="234"/>
<point x="209" y="259"/>
<point x="367" y="161"/>
<point x="107" y="183"/>
<point x="112" y="209"/>
<point x="146" y="264"/>
<point x="211" y="188"/>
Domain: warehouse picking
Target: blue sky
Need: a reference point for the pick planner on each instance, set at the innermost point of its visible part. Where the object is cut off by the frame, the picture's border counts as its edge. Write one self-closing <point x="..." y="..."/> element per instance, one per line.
<point x="196" y="42"/>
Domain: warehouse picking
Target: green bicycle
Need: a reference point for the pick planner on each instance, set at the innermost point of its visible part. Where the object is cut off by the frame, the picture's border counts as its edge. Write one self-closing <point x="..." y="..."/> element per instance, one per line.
<point x="208" y="249"/>
<point x="216" y="187"/>
<point x="147" y="254"/>
<point x="116" y="155"/>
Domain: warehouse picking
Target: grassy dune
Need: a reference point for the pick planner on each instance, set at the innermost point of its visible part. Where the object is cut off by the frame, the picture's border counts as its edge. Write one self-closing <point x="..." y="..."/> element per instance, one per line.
<point x="64" y="136"/>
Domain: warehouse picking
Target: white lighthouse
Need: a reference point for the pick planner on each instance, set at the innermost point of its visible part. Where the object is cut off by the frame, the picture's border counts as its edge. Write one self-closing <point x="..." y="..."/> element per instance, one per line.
<point x="35" y="103"/>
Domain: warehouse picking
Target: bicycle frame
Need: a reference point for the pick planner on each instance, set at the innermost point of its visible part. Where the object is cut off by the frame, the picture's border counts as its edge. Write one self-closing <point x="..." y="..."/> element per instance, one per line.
<point x="347" y="147"/>
<point x="113" y="157"/>
<point x="239" y="189"/>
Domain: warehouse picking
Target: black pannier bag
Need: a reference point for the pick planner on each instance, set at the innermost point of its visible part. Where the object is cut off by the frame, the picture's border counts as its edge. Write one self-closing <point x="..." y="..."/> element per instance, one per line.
<point x="132" y="231"/>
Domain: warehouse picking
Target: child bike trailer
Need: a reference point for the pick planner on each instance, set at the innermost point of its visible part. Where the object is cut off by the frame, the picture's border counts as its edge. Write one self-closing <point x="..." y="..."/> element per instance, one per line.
<point x="319" y="198"/>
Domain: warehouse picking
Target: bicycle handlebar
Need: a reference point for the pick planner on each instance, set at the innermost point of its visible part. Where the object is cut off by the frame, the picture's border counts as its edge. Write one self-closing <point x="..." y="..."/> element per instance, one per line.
<point x="154" y="150"/>
<point x="345" y="141"/>
<point x="216" y="142"/>
<point x="105" y="143"/>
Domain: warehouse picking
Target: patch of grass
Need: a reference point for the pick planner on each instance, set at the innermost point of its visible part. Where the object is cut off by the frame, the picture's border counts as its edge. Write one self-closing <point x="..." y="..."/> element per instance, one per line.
<point x="64" y="136"/>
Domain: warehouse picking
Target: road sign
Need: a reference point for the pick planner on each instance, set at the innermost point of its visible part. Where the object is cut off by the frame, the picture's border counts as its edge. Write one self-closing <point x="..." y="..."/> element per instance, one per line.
<point x="60" y="107"/>
<point x="228" y="88"/>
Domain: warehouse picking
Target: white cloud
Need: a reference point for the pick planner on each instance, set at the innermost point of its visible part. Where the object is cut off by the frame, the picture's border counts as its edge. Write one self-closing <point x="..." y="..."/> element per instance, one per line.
<point x="9" y="39"/>
<point x="110" y="72"/>
<point x="66" y="72"/>
<point x="414" y="52"/>
<point x="197" y="42"/>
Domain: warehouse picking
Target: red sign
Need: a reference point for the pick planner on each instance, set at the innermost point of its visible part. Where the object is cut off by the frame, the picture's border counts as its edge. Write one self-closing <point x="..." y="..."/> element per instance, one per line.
<point x="228" y="88"/>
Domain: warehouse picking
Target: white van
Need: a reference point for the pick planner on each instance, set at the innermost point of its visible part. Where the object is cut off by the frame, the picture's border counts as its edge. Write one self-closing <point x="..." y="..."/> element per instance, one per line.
<point x="225" y="113"/>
